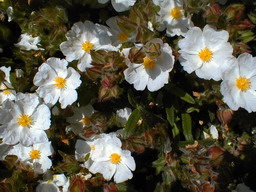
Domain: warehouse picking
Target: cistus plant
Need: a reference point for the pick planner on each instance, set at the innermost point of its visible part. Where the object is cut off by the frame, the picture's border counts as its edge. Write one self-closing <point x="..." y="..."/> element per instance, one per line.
<point x="127" y="95"/>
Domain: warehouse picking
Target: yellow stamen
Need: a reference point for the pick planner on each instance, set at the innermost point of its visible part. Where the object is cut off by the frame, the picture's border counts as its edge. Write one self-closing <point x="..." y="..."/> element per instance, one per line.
<point x="49" y="181"/>
<point x="87" y="46"/>
<point x="149" y="63"/>
<point x="115" y="158"/>
<point x="205" y="54"/>
<point x="243" y="83"/>
<point x="85" y="120"/>
<point x="176" y="13"/>
<point x="35" y="154"/>
<point x="24" y="120"/>
<point x="93" y="147"/>
<point x="60" y="82"/>
<point x="122" y="37"/>
<point x="7" y="92"/>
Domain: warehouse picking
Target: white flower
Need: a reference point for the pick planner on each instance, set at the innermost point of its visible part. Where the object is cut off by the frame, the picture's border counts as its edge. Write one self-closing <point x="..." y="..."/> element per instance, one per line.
<point x="19" y="73"/>
<point x="120" y="5"/>
<point x="239" y="83"/>
<point x="242" y="188"/>
<point x="123" y="115"/>
<point x="81" y="118"/>
<point x="82" y="150"/>
<point x="6" y="89"/>
<point x="3" y="150"/>
<point x="57" y="183"/>
<point x="214" y="132"/>
<point x="114" y="162"/>
<point x="106" y="157"/>
<point x="81" y="39"/>
<point x="152" y="73"/>
<point x="27" y="42"/>
<point x="46" y="186"/>
<point x="118" y="36"/>
<point x="9" y="12"/>
<point x="205" y="52"/>
<point x="35" y="155"/>
<point x="24" y="120"/>
<point x="172" y="17"/>
<point x="95" y="146"/>
<point x="57" y="82"/>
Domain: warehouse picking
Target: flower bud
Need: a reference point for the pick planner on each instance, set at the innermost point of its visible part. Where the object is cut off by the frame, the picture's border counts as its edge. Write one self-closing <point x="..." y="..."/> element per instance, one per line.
<point x="224" y="115"/>
<point x="77" y="184"/>
<point x="215" y="152"/>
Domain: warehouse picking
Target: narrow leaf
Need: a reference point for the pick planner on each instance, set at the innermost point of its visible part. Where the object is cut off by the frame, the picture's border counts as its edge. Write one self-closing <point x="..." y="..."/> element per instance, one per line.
<point x="181" y="94"/>
<point x="132" y="122"/>
<point x="187" y="126"/>
<point x="172" y="118"/>
<point x="131" y="98"/>
<point x="170" y="113"/>
<point x="192" y="109"/>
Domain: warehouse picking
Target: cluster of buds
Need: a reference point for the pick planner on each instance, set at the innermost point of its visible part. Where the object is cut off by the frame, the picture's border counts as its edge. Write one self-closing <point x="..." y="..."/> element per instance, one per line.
<point x="107" y="69"/>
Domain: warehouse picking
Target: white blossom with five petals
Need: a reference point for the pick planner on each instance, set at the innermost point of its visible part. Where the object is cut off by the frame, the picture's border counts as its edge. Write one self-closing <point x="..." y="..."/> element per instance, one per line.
<point x="239" y="83"/>
<point x="24" y="120"/>
<point x="205" y="52"/>
<point x="35" y="155"/>
<point x="106" y="157"/>
<point x="56" y="82"/>
<point x="54" y="183"/>
<point x="81" y="39"/>
<point x="172" y="17"/>
<point x="152" y="73"/>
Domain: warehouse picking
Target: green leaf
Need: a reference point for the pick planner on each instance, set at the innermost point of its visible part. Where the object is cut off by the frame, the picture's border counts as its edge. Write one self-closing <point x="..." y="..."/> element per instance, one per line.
<point x="181" y="94"/>
<point x="170" y="112"/>
<point x="132" y="122"/>
<point x="131" y="98"/>
<point x="69" y="164"/>
<point x="252" y="17"/>
<point x="187" y="126"/>
<point x="159" y="164"/>
<point x="172" y="118"/>
<point x="192" y="109"/>
<point x="211" y="116"/>
<point x="175" y="131"/>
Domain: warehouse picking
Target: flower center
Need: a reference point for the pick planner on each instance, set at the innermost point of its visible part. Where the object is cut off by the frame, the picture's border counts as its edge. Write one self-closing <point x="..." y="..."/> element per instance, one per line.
<point x="6" y="92"/>
<point x="205" y="54"/>
<point x="176" y="13"/>
<point x="85" y="120"/>
<point x="60" y="82"/>
<point x="149" y="63"/>
<point x="35" y="154"/>
<point x="122" y="37"/>
<point x="93" y="147"/>
<point x="87" y="46"/>
<point x="24" y="120"/>
<point x="115" y="158"/>
<point x="243" y="83"/>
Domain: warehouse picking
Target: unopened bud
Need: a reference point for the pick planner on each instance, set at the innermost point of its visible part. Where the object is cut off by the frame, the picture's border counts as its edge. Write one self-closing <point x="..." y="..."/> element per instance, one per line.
<point x="215" y="152"/>
<point x="224" y="115"/>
